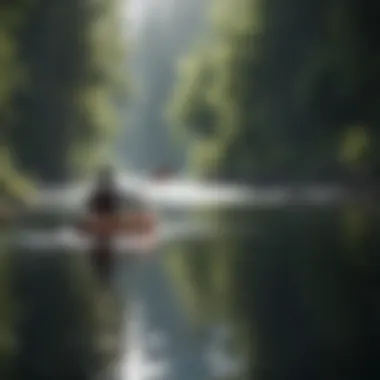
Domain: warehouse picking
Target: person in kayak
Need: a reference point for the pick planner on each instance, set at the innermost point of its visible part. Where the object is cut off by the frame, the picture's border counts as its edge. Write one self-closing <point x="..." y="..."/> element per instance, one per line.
<point x="111" y="214"/>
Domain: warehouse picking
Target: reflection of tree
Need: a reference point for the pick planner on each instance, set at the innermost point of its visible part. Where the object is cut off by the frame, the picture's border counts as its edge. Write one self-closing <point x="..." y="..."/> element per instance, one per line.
<point x="301" y="300"/>
<point x="59" y="329"/>
<point x="55" y="327"/>
<point x="7" y="316"/>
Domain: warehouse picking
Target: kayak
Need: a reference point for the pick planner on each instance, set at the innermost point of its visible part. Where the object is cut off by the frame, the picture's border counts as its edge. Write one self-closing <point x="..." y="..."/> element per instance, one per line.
<point x="130" y="224"/>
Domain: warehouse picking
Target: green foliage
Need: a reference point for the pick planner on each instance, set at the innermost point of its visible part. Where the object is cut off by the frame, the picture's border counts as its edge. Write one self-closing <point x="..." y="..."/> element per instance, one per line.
<point x="284" y="83"/>
<point x="63" y="78"/>
<point x="12" y="183"/>
<point x="355" y="146"/>
<point x="192" y="104"/>
<point x="8" y="316"/>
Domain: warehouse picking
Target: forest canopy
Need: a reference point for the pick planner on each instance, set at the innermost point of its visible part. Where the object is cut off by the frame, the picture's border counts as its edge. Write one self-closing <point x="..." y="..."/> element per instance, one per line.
<point x="63" y="80"/>
<point x="286" y="89"/>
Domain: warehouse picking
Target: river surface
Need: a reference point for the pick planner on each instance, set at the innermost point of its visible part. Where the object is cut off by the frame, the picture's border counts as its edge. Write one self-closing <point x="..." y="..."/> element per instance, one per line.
<point x="266" y="293"/>
<point x="156" y="339"/>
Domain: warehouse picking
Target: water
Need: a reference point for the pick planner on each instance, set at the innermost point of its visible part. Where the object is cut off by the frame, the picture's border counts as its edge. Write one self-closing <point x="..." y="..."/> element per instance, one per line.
<point x="264" y="293"/>
<point x="64" y="321"/>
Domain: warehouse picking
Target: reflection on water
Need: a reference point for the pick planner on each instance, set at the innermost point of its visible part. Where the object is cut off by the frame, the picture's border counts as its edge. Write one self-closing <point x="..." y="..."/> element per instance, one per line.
<point x="295" y="296"/>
